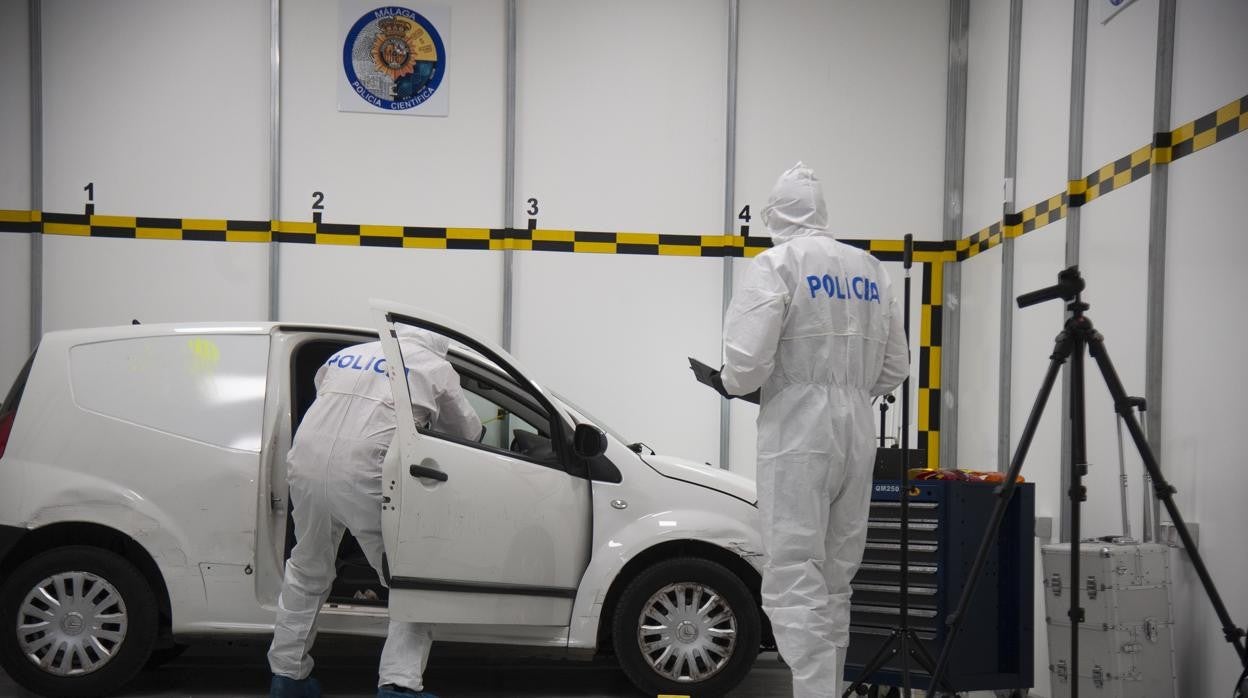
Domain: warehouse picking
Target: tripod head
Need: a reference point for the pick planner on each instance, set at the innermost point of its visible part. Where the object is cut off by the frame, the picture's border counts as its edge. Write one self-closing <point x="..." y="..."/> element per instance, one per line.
<point x="1069" y="286"/>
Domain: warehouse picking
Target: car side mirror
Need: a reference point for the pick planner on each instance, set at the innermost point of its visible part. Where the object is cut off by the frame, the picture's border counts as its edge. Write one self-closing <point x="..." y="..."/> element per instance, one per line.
<point x="589" y="441"/>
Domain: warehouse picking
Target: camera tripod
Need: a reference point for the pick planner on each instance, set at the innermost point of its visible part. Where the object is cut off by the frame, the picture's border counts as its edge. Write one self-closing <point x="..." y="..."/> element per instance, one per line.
<point x="1078" y="335"/>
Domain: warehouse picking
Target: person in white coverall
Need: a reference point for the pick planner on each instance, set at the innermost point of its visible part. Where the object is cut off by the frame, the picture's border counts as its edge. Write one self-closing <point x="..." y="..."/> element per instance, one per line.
<point x="815" y="325"/>
<point x="335" y="484"/>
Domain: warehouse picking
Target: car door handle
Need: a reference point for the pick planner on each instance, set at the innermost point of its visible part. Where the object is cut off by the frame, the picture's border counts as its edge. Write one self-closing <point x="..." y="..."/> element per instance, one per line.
<point x="422" y="471"/>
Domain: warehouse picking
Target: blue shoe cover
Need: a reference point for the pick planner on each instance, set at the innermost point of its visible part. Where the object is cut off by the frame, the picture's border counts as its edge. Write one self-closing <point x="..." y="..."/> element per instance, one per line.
<point x="286" y="687"/>
<point x="392" y="691"/>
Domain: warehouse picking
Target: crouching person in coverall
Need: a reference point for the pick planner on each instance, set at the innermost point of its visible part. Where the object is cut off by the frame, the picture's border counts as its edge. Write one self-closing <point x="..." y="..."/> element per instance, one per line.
<point x="335" y="484"/>
<point x="816" y="326"/>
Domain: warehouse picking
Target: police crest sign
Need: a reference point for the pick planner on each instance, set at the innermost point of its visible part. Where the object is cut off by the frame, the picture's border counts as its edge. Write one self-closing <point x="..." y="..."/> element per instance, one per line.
<point x="394" y="58"/>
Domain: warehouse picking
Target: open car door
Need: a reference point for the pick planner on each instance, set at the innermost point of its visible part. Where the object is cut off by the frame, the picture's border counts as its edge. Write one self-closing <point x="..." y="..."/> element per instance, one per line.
<point x="492" y="530"/>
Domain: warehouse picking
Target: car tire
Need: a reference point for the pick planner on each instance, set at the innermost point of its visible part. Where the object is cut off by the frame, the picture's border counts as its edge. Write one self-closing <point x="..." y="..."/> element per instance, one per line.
<point x="97" y="630"/>
<point x="666" y="646"/>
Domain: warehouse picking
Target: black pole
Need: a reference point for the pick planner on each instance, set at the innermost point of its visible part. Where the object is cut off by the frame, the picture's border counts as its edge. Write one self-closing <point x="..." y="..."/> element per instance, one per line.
<point x="1078" y="469"/>
<point x="907" y="259"/>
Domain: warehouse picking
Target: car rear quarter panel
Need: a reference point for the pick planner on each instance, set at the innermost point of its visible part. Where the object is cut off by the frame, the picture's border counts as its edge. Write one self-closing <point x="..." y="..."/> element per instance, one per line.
<point x="189" y="504"/>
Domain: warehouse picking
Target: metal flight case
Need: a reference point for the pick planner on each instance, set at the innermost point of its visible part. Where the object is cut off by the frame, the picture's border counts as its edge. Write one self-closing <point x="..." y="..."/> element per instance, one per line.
<point x="1126" y="641"/>
<point x="946" y="521"/>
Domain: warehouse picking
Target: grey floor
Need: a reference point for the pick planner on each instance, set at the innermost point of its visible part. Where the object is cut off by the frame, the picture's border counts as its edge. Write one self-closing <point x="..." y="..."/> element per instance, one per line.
<point x="351" y="672"/>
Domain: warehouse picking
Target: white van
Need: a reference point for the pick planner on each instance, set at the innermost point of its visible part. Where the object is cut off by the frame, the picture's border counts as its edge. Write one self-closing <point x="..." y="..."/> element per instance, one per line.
<point x="143" y="504"/>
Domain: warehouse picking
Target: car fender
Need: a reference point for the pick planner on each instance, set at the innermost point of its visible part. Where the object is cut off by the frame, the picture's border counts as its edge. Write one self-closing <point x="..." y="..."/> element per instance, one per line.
<point x="735" y="534"/>
<point x="92" y="500"/>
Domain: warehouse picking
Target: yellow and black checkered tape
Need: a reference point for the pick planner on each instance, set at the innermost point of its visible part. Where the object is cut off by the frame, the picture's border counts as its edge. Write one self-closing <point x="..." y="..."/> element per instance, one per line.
<point x="362" y="235"/>
<point x="927" y="419"/>
<point x="1214" y="127"/>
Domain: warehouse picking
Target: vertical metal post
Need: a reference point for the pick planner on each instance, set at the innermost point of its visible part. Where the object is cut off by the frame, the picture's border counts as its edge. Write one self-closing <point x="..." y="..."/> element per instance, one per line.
<point x="509" y="171"/>
<point x="1006" y="367"/>
<point x="36" y="170"/>
<point x="730" y="192"/>
<point x="1158" y="199"/>
<point x="955" y="167"/>
<point x="1074" y="171"/>
<point x="275" y="154"/>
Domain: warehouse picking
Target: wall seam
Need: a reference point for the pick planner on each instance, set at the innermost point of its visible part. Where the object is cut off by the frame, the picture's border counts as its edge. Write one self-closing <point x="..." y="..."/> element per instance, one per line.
<point x="275" y="154"/>
<point x="509" y="176"/>
<point x="1074" y="169"/>
<point x="35" y="19"/>
<point x="955" y="168"/>
<point x="1159" y="191"/>
<point x="1006" y="366"/>
<point x="730" y="192"/>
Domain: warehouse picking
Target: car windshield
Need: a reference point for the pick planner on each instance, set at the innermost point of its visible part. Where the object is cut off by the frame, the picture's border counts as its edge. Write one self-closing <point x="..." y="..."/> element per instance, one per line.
<point x="597" y="422"/>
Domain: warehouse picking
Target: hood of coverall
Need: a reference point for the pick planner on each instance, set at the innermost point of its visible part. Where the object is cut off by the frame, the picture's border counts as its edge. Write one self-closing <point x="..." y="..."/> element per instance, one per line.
<point x="796" y="206"/>
<point x="435" y="343"/>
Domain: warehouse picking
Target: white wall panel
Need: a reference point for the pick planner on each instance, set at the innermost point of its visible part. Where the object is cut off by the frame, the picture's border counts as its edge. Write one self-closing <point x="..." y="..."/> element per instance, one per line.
<point x="14" y="187"/>
<point x="988" y="46"/>
<point x="1204" y="374"/>
<point x="333" y="284"/>
<point x="393" y="170"/>
<point x="856" y="91"/>
<point x="979" y="360"/>
<point x="1114" y="262"/>
<point x="1205" y="378"/>
<point x="1043" y="101"/>
<point x="1210" y="56"/>
<point x="176" y="124"/>
<point x="1114" y="236"/>
<point x="612" y="333"/>
<point x="15" y="107"/>
<point x="621" y="114"/>
<point x="621" y="128"/>
<point x="1118" y="113"/>
<point x="162" y="104"/>
<point x="93" y="282"/>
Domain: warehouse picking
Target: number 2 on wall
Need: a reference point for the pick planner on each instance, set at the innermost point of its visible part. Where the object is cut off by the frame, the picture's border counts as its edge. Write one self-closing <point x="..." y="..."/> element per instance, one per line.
<point x="318" y="201"/>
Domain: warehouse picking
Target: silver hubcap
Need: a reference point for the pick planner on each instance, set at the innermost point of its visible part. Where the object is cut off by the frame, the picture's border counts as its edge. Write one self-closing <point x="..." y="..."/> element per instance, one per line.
<point x="687" y="632"/>
<point x="71" y="623"/>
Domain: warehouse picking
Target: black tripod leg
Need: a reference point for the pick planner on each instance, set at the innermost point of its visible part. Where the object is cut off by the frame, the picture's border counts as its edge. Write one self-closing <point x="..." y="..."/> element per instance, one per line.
<point x="887" y="651"/>
<point x="1004" y="493"/>
<point x="1165" y="492"/>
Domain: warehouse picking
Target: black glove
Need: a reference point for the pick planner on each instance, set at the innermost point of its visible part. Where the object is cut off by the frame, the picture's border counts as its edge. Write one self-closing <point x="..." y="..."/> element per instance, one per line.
<point x="717" y="382"/>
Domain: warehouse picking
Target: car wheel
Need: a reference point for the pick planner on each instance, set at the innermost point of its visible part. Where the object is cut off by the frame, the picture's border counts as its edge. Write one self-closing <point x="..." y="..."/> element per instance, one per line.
<point x="75" y="621"/>
<point x="686" y="626"/>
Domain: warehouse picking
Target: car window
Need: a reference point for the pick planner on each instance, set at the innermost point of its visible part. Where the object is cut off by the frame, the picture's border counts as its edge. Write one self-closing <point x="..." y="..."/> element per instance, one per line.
<point x="512" y="420"/>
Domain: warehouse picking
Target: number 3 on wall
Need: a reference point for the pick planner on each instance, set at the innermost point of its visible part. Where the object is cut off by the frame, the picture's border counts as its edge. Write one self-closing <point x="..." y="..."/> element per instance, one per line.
<point x="532" y="209"/>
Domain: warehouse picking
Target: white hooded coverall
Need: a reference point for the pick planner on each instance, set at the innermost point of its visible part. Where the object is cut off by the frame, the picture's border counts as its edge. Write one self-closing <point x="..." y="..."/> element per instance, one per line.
<point x="816" y="326"/>
<point x="335" y="483"/>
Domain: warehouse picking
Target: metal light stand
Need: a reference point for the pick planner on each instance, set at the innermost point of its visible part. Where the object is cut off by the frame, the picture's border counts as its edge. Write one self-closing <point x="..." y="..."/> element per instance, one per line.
<point x="902" y="639"/>
<point x="1077" y="335"/>
<point x="885" y="401"/>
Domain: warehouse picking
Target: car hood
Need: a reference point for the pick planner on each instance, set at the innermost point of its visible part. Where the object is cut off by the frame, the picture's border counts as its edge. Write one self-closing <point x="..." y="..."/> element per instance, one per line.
<point x="738" y="486"/>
